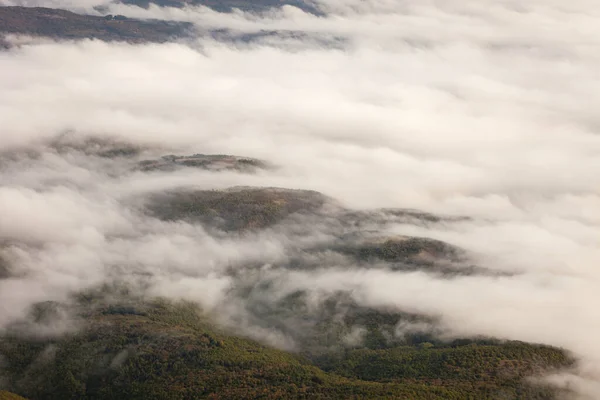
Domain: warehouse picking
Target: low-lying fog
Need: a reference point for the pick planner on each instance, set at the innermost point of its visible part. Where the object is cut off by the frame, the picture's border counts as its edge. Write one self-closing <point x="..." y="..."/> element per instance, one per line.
<point x="486" y="110"/>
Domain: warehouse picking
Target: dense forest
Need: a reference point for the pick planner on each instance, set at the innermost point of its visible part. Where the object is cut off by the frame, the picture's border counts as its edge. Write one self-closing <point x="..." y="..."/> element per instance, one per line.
<point x="162" y="350"/>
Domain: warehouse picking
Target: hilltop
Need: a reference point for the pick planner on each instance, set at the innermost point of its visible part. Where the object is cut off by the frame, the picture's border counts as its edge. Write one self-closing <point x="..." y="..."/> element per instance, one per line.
<point x="63" y="24"/>
<point x="228" y="5"/>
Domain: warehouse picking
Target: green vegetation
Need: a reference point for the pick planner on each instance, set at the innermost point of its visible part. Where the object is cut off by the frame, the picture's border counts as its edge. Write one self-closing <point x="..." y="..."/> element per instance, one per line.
<point x="9" y="396"/>
<point x="487" y="369"/>
<point x="236" y="209"/>
<point x="166" y="351"/>
<point x="203" y="161"/>
<point x="410" y="248"/>
<point x="410" y="254"/>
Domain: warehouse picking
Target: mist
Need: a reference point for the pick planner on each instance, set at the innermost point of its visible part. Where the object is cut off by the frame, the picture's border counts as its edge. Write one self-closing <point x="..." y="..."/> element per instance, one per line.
<point x="463" y="109"/>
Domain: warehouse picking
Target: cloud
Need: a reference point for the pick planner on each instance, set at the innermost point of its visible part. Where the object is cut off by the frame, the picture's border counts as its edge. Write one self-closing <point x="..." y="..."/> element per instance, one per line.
<point x="463" y="108"/>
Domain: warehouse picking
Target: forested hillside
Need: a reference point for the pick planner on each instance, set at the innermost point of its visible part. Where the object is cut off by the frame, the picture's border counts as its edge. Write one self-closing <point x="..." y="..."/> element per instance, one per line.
<point x="158" y="350"/>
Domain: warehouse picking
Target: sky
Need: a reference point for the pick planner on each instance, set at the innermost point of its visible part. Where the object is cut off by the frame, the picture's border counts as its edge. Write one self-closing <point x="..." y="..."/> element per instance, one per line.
<point x="483" y="109"/>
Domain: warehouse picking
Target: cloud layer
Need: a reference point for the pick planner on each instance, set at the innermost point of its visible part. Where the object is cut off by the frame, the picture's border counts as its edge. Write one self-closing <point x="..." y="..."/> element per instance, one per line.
<point x="485" y="110"/>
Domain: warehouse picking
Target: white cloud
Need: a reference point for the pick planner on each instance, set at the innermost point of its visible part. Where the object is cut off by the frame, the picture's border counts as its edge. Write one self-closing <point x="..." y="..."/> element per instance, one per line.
<point x="487" y="110"/>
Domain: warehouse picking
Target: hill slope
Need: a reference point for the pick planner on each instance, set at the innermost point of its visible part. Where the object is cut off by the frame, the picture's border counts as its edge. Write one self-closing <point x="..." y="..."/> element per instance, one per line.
<point x="55" y="23"/>
<point x="228" y="5"/>
<point x="159" y="350"/>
